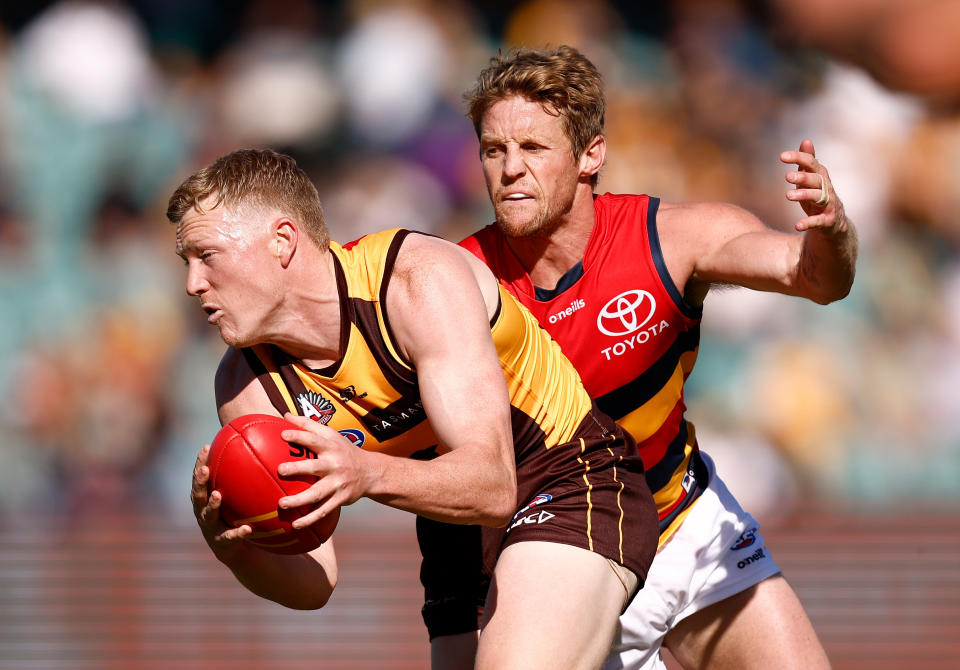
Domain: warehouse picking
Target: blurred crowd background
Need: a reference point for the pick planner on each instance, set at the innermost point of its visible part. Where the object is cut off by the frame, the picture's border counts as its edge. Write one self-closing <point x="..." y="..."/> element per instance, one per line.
<point x="106" y="366"/>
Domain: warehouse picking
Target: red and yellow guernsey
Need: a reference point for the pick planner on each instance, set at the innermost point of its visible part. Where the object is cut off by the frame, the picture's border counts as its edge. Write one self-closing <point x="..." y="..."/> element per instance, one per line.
<point x="623" y="323"/>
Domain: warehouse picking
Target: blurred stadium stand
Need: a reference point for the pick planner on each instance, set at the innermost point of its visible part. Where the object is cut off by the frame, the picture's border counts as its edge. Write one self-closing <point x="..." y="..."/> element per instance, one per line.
<point x="106" y="368"/>
<point x="135" y="593"/>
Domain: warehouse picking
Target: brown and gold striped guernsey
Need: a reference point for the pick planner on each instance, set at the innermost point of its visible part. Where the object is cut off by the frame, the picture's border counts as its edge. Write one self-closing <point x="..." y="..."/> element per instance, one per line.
<point x="580" y="479"/>
<point x="371" y="394"/>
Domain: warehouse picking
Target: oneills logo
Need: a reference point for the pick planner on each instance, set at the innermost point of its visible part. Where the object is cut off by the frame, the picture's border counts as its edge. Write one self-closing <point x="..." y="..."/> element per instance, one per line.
<point x="578" y="304"/>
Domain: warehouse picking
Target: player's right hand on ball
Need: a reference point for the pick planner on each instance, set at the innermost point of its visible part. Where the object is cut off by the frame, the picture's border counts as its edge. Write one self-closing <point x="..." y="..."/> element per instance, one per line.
<point x="224" y="540"/>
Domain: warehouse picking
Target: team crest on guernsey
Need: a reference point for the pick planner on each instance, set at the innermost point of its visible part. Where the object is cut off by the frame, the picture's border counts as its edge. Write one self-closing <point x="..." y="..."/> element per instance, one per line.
<point x="315" y="406"/>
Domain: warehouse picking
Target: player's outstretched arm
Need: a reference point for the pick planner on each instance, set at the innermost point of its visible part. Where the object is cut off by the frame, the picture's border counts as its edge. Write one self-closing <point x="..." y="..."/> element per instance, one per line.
<point x="711" y="242"/>
<point x="303" y="581"/>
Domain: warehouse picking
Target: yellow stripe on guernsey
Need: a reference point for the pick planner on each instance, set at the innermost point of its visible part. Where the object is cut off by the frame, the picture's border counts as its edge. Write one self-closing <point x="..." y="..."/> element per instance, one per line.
<point x="668" y="494"/>
<point x="366" y="285"/>
<point x="650" y="416"/>
<point x="687" y="360"/>
<point x="542" y="383"/>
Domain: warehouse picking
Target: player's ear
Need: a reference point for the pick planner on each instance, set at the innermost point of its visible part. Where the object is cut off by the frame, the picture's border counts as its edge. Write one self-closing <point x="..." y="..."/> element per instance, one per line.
<point x="591" y="160"/>
<point x="286" y="236"/>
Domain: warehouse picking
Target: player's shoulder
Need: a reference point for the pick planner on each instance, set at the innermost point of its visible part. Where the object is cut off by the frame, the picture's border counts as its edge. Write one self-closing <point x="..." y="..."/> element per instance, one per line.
<point x="617" y="203"/>
<point x="691" y="230"/>
<point x="431" y="264"/>
<point x="616" y="214"/>
<point x="424" y="254"/>
<point x="233" y="372"/>
<point x="707" y="220"/>
<point x="697" y="213"/>
<point x="237" y="388"/>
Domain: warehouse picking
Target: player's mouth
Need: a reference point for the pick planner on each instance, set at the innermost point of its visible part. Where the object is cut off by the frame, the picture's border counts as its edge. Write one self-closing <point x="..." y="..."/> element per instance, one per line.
<point x="515" y="196"/>
<point x="213" y="313"/>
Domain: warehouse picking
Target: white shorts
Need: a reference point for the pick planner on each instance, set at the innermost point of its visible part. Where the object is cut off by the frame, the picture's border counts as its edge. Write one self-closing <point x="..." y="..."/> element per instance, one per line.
<point x="716" y="552"/>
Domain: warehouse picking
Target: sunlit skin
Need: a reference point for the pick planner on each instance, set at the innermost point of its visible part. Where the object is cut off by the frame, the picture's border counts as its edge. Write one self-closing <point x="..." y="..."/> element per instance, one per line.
<point x="248" y="269"/>
<point x="529" y="167"/>
<point x="229" y="268"/>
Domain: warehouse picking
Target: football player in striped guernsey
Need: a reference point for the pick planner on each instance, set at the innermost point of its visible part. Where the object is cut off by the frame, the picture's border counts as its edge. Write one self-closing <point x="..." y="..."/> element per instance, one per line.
<point x="619" y="281"/>
<point x="421" y="383"/>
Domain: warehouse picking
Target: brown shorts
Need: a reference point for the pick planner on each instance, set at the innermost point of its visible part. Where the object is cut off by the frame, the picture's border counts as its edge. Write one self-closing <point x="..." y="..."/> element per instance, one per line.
<point x="589" y="493"/>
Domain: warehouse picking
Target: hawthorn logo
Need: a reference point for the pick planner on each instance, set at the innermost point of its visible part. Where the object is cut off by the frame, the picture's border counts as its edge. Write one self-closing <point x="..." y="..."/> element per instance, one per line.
<point x="348" y="393"/>
<point x="315" y="406"/>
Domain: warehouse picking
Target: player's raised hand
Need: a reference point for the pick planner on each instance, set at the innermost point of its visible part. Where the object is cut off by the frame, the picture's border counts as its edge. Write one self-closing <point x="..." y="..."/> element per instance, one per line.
<point x="339" y="466"/>
<point x="222" y="539"/>
<point x="814" y="191"/>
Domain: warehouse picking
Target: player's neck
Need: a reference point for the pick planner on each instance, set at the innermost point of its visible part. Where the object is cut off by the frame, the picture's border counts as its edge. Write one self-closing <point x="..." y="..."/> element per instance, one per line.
<point x="549" y="255"/>
<point x="308" y="322"/>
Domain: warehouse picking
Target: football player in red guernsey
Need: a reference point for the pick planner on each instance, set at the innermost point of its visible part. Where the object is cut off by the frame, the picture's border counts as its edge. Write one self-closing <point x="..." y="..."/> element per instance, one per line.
<point x="619" y="281"/>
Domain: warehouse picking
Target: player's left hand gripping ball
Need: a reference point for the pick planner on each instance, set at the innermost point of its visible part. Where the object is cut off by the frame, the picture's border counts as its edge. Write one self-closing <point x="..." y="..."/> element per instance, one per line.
<point x="243" y="467"/>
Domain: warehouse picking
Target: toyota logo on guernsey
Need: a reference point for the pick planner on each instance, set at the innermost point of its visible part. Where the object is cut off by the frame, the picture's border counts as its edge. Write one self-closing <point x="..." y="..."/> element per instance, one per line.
<point x="627" y="313"/>
<point x="628" y="316"/>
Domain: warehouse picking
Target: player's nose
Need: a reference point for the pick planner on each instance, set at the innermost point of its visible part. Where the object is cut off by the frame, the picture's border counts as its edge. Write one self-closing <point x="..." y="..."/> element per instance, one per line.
<point x="513" y="165"/>
<point x="196" y="282"/>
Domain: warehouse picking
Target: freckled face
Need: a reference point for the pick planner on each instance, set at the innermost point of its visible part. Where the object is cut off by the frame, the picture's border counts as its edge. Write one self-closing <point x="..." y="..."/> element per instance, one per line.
<point x="231" y="269"/>
<point x="529" y="166"/>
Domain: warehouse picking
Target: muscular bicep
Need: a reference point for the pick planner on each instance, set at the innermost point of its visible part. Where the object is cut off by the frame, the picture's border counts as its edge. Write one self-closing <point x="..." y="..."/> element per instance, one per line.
<point x="718" y="243"/>
<point x="441" y="320"/>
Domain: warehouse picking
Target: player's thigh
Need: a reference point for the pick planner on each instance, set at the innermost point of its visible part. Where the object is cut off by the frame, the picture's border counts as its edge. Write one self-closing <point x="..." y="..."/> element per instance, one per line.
<point x="550" y="606"/>
<point x="759" y="628"/>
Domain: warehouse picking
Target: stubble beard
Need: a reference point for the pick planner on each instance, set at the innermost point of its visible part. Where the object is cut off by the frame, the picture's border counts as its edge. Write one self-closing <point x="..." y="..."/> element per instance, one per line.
<point x="544" y="221"/>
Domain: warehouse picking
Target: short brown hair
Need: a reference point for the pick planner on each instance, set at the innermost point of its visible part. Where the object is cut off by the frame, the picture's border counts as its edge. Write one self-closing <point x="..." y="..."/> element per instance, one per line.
<point x="261" y="176"/>
<point x="563" y="80"/>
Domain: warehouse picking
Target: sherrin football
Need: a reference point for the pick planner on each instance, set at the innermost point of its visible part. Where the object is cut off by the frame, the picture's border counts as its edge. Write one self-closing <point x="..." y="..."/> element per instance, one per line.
<point x="243" y="464"/>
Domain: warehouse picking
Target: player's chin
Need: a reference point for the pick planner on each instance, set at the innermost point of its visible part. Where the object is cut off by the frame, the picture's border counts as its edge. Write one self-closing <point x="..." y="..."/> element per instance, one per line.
<point x="514" y="223"/>
<point x="231" y="337"/>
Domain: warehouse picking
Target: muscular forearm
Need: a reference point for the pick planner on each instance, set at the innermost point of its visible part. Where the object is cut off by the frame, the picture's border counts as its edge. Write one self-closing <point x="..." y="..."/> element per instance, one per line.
<point x="454" y="488"/>
<point x="298" y="582"/>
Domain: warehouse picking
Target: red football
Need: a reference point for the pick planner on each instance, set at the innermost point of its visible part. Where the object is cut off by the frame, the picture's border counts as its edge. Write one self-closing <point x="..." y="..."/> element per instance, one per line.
<point x="243" y="466"/>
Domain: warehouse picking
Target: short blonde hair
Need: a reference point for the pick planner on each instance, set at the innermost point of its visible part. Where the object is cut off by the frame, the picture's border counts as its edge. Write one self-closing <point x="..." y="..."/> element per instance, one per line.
<point x="254" y="176"/>
<point x="563" y="80"/>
